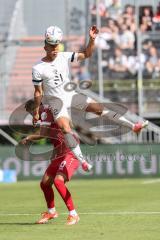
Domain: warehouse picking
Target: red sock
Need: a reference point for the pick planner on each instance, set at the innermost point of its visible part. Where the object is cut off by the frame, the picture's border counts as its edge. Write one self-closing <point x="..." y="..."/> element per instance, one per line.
<point x="48" y="193"/>
<point x="65" y="194"/>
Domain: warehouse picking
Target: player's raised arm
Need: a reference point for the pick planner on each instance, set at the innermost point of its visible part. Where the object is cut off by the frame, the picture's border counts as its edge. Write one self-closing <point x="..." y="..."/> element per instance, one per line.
<point x="38" y="92"/>
<point x="93" y="32"/>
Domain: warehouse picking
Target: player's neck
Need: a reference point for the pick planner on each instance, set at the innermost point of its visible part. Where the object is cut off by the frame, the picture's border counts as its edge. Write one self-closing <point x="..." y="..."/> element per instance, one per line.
<point x="48" y="58"/>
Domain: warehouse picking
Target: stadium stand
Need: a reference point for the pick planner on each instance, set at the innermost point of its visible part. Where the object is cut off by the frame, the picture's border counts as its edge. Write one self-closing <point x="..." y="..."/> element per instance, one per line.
<point x="119" y="31"/>
<point x="120" y="59"/>
<point x="20" y="88"/>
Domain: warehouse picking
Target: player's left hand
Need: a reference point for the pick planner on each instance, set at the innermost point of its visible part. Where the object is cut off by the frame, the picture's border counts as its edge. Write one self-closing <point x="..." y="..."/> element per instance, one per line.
<point x="24" y="141"/>
<point x="93" y="32"/>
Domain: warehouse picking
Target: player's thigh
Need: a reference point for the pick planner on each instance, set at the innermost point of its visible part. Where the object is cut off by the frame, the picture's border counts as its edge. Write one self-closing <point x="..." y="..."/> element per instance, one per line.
<point x="58" y="107"/>
<point x="55" y="103"/>
<point x="68" y="166"/>
<point x="81" y="101"/>
<point x="64" y="124"/>
<point x="63" y="112"/>
<point x="51" y="170"/>
<point x="95" y="107"/>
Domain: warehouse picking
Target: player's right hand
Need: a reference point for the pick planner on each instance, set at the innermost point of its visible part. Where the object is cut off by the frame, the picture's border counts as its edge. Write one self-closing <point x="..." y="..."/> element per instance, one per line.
<point x="86" y="166"/>
<point x="35" y="119"/>
<point x="93" y="32"/>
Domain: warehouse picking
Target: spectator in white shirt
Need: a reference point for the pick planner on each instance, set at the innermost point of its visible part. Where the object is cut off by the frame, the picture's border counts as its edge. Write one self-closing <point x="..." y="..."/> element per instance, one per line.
<point x="118" y="63"/>
<point x="153" y="63"/>
<point x="127" y="38"/>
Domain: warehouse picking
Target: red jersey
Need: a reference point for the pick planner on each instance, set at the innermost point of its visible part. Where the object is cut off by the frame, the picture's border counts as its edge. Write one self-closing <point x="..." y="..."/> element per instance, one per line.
<point x="64" y="162"/>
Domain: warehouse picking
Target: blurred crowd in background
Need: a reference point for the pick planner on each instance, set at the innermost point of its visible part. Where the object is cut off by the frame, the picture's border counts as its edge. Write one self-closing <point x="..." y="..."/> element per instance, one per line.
<point x="118" y="41"/>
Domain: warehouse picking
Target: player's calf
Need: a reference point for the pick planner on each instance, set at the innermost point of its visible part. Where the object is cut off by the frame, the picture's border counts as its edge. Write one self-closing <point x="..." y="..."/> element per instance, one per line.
<point x="73" y="143"/>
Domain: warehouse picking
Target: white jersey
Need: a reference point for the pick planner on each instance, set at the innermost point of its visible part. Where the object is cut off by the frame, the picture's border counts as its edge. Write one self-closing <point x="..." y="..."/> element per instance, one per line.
<point x="53" y="76"/>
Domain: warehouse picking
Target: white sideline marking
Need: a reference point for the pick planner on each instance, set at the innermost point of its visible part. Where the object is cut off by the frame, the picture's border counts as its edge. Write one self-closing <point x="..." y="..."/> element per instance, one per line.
<point x="85" y="213"/>
<point x="151" y="181"/>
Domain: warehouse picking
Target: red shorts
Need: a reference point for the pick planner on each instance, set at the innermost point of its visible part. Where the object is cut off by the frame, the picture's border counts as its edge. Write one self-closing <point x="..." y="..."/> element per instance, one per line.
<point x="65" y="165"/>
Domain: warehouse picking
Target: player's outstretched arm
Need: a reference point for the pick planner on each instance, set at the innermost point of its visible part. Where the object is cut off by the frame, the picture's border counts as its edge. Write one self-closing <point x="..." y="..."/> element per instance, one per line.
<point x="93" y="32"/>
<point x="31" y="138"/>
<point x="44" y="132"/>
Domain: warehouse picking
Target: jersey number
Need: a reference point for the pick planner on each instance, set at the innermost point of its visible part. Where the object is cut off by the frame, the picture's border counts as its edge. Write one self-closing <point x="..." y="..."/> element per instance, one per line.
<point x="58" y="79"/>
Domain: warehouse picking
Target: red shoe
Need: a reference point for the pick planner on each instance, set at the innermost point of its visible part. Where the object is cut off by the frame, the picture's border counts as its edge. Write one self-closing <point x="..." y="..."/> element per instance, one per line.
<point x="46" y="216"/>
<point x="139" y="126"/>
<point x="86" y="166"/>
<point x="71" y="220"/>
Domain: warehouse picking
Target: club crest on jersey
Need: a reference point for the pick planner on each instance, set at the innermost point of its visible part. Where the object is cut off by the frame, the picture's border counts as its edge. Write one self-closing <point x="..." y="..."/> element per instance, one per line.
<point x="43" y="116"/>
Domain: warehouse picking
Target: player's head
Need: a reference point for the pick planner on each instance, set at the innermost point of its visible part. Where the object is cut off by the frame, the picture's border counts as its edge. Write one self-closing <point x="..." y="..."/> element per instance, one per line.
<point x="51" y="50"/>
<point x="53" y="35"/>
<point x="30" y="106"/>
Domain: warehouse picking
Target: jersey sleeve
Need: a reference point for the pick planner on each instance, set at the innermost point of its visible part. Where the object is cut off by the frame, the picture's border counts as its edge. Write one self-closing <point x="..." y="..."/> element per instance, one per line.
<point x="36" y="77"/>
<point x="71" y="56"/>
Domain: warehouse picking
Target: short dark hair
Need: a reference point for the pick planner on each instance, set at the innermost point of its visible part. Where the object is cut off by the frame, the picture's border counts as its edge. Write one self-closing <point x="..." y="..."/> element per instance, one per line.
<point x="30" y="105"/>
<point x="46" y="43"/>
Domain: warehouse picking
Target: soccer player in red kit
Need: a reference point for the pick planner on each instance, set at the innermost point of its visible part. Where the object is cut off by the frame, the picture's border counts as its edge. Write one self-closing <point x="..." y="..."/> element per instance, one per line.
<point x="61" y="169"/>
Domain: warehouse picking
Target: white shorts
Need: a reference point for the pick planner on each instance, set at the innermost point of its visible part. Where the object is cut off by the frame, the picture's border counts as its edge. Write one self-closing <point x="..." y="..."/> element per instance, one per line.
<point x="61" y="107"/>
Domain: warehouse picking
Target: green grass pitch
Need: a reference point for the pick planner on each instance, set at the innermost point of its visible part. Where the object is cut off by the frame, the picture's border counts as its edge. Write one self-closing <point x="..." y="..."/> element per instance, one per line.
<point x="109" y="210"/>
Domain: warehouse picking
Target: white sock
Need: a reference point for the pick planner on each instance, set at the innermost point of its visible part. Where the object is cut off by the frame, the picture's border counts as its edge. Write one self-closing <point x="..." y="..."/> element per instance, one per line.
<point x="77" y="152"/>
<point x="73" y="213"/>
<point x="72" y="143"/>
<point x="51" y="210"/>
<point x="126" y="122"/>
<point x="115" y="117"/>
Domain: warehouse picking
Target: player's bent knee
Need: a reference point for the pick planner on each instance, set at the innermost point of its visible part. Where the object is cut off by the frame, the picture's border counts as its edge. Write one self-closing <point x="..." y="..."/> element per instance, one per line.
<point x="59" y="177"/>
<point x="59" y="180"/>
<point x="46" y="181"/>
<point x="64" y="124"/>
<point x="66" y="129"/>
<point x="95" y="107"/>
<point x="70" y="140"/>
<point x="42" y="185"/>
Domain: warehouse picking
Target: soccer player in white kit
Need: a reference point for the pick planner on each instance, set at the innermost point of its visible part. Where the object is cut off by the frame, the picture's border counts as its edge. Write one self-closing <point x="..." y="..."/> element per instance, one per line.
<point x="50" y="77"/>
